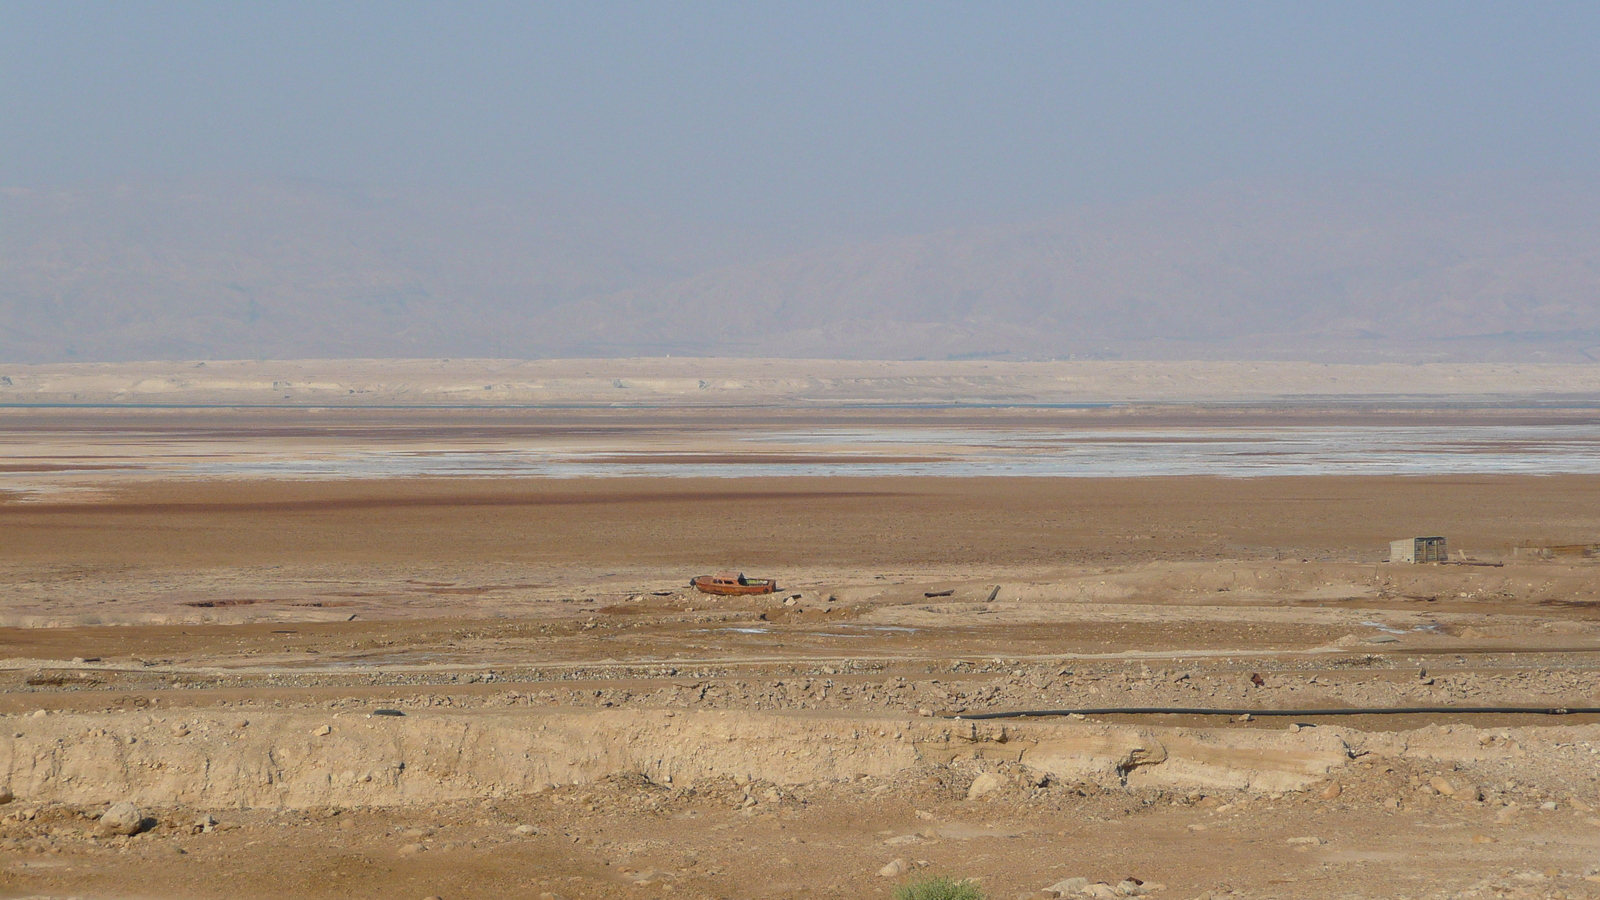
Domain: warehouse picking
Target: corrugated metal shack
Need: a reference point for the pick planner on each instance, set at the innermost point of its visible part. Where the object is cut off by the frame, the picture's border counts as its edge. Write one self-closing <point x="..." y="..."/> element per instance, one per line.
<point x="1418" y="550"/>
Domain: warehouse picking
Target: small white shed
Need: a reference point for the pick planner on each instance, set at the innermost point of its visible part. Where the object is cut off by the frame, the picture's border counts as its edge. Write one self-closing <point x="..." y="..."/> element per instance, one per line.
<point x="1418" y="550"/>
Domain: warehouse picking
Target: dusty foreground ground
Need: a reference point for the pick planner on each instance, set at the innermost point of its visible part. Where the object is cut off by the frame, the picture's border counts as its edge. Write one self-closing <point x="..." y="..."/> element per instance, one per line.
<point x="577" y="723"/>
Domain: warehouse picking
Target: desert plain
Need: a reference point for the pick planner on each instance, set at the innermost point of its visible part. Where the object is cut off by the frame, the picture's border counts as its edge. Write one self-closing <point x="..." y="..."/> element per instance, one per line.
<point x="366" y="630"/>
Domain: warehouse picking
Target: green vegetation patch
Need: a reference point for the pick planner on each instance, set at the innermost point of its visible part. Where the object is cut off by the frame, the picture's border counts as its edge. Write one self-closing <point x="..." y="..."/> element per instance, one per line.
<point x="939" y="887"/>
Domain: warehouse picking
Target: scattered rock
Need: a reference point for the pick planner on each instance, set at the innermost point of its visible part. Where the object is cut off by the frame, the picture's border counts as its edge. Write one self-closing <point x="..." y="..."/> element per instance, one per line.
<point x="526" y="830"/>
<point x="1442" y="785"/>
<point x="987" y="783"/>
<point x="6" y="796"/>
<point x="1331" y="791"/>
<point x="411" y="849"/>
<point x="895" y="869"/>
<point x="1310" y="840"/>
<point x="123" y="818"/>
<point x="1100" y="891"/>
<point x="323" y="731"/>
<point x="1482" y="839"/>
<point x="1068" y="886"/>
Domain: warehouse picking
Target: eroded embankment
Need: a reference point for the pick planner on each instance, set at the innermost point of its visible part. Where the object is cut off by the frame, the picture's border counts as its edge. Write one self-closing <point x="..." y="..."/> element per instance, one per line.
<point x="301" y="759"/>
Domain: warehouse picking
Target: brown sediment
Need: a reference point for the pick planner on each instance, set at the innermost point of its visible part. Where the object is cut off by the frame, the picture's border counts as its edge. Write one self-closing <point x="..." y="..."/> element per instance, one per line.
<point x="61" y="467"/>
<point x="692" y="523"/>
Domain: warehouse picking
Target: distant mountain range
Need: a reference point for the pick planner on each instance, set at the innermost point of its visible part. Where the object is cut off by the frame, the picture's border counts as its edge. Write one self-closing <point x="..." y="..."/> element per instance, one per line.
<point x="1484" y="269"/>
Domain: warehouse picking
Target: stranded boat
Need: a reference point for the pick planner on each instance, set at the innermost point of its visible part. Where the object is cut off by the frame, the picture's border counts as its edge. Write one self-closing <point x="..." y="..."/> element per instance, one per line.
<point x="732" y="583"/>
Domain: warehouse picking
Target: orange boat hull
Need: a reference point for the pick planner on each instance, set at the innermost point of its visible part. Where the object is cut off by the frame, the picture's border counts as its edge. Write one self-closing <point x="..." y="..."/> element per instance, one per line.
<point x="711" y="584"/>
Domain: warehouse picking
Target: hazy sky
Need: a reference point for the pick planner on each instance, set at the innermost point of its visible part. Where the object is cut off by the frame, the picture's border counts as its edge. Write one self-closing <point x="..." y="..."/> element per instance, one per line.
<point x="798" y="115"/>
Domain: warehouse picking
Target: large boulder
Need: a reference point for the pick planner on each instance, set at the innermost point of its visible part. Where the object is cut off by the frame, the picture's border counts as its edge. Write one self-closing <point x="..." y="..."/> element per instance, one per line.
<point x="987" y="783"/>
<point x="123" y="818"/>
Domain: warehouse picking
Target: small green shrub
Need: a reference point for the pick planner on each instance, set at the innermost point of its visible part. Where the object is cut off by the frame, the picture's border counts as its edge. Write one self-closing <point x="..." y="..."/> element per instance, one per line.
<point x="939" y="887"/>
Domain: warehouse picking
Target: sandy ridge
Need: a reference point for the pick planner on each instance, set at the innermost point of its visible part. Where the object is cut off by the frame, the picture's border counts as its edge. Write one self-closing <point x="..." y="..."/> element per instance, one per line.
<point x="692" y="382"/>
